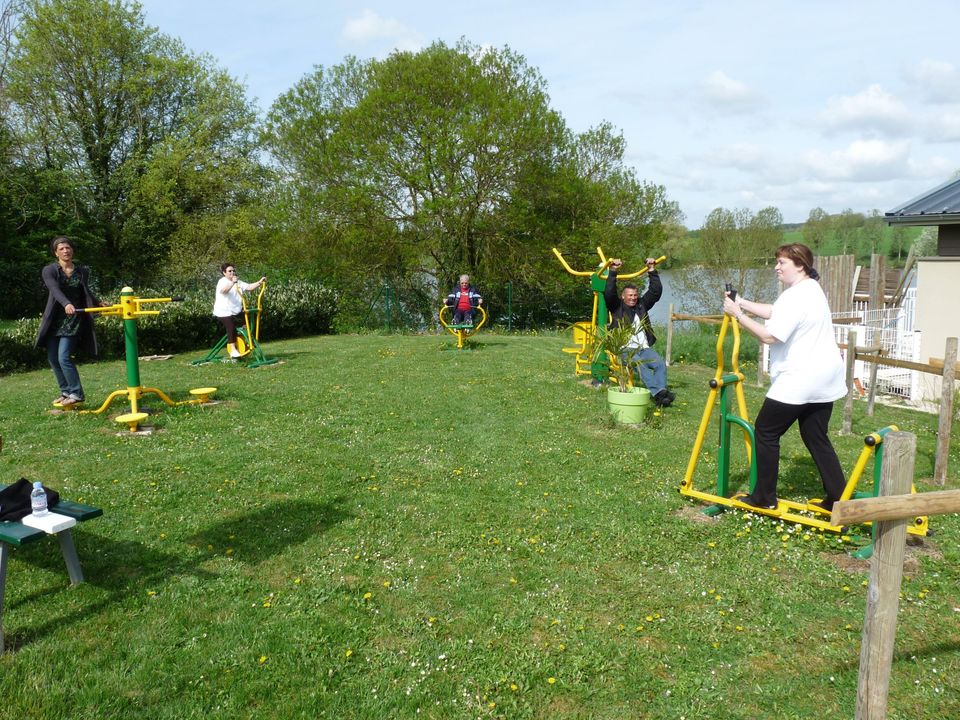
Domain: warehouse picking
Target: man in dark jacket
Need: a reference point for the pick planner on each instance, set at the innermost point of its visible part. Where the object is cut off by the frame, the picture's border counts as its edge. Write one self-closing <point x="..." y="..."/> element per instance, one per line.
<point x="464" y="299"/>
<point x="629" y="308"/>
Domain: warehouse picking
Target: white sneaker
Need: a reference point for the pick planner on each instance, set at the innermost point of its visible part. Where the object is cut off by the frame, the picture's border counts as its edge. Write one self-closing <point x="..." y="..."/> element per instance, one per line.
<point x="235" y="353"/>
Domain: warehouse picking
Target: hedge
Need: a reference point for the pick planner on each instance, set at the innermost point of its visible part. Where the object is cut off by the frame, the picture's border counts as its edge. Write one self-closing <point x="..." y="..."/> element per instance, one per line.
<point x="290" y="309"/>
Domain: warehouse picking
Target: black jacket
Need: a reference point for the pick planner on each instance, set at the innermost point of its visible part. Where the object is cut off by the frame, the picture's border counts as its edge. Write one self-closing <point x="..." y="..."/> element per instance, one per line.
<point x="51" y="278"/>
<point x="621" y="313"/>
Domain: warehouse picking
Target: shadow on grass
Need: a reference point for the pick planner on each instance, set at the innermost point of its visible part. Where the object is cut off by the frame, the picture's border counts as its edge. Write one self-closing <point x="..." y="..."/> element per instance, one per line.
<point x="124" y="568"/>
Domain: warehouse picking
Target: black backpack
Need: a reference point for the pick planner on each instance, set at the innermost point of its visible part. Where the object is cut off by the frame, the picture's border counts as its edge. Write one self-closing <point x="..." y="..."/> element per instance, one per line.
<point x="15" y="499"/>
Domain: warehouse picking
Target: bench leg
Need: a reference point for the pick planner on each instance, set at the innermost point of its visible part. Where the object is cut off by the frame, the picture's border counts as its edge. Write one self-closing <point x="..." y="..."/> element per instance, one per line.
<point x="4" y="552"/>
<point x="70" y="556"/>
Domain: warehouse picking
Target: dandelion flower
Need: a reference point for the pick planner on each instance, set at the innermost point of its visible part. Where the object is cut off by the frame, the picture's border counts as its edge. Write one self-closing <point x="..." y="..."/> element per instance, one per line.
<point x="551" y="680"/>
<point x="262" y="660"/>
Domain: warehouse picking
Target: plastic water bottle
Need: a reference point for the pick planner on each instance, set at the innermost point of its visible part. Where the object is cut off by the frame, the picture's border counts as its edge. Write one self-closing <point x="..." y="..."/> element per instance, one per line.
<point x="38" y="500"/>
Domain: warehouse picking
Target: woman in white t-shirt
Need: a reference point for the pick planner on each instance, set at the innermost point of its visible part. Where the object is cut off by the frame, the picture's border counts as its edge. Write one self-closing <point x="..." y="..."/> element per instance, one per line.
<point x="228" y="304"/>
<point x="806" y="371"/>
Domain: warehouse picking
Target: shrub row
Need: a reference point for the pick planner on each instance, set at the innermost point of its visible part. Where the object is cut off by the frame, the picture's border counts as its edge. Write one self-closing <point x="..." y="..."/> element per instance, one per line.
<point x="290" y="309"/>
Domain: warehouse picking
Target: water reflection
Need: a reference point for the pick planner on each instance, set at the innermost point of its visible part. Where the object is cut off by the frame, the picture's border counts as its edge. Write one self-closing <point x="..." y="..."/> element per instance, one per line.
<point x="696" y="291"/>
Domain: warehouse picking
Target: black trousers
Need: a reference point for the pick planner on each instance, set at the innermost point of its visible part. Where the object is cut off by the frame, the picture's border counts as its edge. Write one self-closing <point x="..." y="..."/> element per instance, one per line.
<point x="230" y="324"/>
<point x="774" y="420"/>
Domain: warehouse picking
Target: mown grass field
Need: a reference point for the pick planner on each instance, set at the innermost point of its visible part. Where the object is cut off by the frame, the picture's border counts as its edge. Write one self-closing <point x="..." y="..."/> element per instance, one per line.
<point x="386" y="527"/>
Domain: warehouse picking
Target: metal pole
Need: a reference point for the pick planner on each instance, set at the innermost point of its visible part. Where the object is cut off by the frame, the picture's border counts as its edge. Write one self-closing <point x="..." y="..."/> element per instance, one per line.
<point x="509" y="305"/>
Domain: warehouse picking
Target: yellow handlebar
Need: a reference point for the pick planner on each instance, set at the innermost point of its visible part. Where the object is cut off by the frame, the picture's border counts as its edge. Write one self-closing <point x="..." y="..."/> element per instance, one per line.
<point x="605" y="263"/>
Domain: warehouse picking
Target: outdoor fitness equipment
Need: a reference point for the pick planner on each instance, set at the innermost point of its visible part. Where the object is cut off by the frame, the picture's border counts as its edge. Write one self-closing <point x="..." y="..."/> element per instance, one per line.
<point x="248" y="343"/>
<point x="587" y="333"/>
<point x="801" y="513"/>
<point x="463" y="330"/>
<point x="129" y="308"/>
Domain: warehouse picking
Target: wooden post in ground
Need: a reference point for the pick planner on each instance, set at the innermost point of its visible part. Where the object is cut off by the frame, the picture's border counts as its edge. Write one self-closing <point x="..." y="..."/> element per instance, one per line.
<point x="669" y="334"/>
<point x="885" y="510"/>
<point x="847" y="427"/>
<point x="878" y="289"/>
<point x="886" y="574"/>
<point x="946" y="412"/>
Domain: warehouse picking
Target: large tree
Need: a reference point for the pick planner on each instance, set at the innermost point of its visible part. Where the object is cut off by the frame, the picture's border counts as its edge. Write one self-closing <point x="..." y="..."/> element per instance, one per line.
<point x="448" y="160"/>
<point x="147" y="140"/>
<point x="729" y="245"/>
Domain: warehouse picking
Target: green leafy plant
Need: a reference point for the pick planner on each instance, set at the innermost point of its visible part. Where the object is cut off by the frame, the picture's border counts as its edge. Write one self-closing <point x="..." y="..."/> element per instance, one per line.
<point x="613" y="344"/>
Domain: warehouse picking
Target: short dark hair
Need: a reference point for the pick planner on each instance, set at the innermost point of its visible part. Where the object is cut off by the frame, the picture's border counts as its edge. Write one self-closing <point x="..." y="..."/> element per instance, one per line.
<point x="223" y="268"/>
<point x="629" y="286"/>
<point x="60" y="240"/>
<point x="800" y="255"/>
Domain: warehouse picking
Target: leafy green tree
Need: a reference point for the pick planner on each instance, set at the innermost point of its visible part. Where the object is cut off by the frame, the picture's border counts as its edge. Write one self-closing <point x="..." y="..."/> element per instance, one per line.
<point x="148" y="140"/>
<point x="816" y="229"/>
<point x="729" y="245"/>
<point x="899" y="239"/>
<point x="425" y="165"/>
<point x="870" y="237"/>
<point x="846" y="231"/>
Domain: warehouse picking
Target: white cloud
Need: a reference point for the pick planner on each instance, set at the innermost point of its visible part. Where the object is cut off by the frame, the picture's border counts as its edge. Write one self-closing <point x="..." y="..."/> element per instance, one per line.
<point x="727" y="95"/>
<point x="938" y="81"/>
<point x="861" y="160"/>
<point x="371" y="27"/>
<point x="944" y="126"/>
<point x="873" y="109"/>
<point x="739" y="156"/>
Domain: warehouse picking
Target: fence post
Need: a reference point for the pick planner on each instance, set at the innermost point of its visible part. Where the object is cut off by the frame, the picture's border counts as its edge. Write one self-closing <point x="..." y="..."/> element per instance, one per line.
<point x="847" y="427"/>
<point x="886" y="574"/>
<point x="509" y="305"/>
<point x="669" y="333"/>
<point x="946" y="411"/>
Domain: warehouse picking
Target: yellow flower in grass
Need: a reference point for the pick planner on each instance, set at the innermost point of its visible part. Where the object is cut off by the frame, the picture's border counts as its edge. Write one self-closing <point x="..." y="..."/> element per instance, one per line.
<point x="262" y="660"/>
<point x="551" y="680"/>
<point x="348" y="653"/>
<point x="367" y="595"/>
<point x="386" y="583"/>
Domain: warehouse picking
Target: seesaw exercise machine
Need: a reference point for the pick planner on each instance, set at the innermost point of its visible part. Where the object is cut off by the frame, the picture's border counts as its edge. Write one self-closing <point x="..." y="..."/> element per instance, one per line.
<point x="803" y="513"/>
<point x="462" y="330"/>
<point x="586" y="333"/>
<point x="129" y="309"/>
<point x="248" y="343"/>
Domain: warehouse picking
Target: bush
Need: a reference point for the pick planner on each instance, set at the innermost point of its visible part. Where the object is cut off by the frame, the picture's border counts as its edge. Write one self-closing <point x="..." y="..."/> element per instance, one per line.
<point x="291" y="309"/>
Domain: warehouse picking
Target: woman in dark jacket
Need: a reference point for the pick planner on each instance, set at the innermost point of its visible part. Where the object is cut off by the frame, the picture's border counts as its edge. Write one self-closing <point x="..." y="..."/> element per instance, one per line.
<point x="63" y="330"/>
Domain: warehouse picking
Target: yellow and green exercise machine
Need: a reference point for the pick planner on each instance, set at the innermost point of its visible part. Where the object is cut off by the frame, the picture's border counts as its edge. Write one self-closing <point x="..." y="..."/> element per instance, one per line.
<point x="129" y="309"/>
<point x="802" y="513"/>
<point x="586" y="333"/>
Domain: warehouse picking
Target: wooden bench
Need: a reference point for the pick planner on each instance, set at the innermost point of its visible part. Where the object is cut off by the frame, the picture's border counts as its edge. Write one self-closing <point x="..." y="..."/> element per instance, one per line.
<point x="16" y="534"/>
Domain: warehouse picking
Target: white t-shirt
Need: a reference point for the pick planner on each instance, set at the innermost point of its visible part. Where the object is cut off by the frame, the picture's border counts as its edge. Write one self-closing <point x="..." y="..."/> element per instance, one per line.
<point x="805" y="365"/>
<point x="230" y="303"/>
<point x="638" y="341"/>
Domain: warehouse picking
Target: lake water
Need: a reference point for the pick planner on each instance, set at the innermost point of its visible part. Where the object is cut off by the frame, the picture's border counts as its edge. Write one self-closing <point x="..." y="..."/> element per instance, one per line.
<point x="691" y="291"/>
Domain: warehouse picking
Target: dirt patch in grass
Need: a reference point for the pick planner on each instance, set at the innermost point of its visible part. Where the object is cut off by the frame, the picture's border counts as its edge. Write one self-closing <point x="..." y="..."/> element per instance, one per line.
<point x="917" y="548"/>
<point x="696" y="514"/>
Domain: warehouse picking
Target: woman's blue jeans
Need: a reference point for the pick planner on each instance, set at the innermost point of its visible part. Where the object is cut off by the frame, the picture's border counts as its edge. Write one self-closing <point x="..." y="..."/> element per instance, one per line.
<point x="59" y="350"/>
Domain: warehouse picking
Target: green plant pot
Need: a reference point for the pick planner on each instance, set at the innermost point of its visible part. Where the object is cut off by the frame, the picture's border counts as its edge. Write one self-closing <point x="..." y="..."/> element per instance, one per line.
<point x="628" y="407"/>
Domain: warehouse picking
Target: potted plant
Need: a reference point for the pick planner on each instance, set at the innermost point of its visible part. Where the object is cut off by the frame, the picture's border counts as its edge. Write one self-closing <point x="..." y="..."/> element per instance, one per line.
<point x="628" y="404"/>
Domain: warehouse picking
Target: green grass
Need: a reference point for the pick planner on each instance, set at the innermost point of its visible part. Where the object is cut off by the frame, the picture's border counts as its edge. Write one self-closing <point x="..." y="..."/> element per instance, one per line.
<point x="386" y="527"/>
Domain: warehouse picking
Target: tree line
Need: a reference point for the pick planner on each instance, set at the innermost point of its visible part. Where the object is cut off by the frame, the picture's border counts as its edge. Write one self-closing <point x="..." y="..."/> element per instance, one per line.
<point x="411" y="169"/>
<point x="407" y="170"/>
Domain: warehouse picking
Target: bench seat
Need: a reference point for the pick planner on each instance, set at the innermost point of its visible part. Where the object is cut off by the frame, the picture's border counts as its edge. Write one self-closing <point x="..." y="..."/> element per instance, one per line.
<point x="16" y="534"/>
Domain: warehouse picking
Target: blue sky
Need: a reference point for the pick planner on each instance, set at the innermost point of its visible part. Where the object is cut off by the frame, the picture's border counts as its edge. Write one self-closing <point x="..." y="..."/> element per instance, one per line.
<point x="732" y="103"/>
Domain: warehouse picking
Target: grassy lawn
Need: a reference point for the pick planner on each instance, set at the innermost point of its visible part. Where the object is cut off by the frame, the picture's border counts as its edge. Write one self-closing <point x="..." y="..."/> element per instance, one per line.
<point x="386" y="527"/>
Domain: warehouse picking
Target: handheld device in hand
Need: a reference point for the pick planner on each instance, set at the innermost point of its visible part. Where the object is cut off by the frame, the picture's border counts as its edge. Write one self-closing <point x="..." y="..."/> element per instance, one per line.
<point x="732" y="291"/>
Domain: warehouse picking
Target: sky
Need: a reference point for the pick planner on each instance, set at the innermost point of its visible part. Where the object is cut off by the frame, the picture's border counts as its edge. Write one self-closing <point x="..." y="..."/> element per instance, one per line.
<point x="728" y="103"/>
